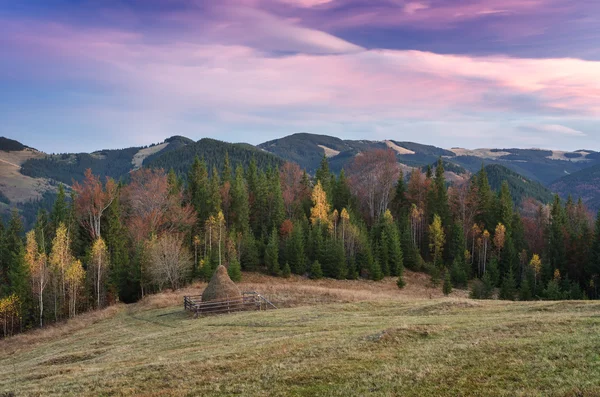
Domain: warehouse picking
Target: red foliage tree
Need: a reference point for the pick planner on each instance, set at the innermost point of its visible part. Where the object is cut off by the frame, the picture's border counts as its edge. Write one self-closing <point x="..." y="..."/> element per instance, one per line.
<point x="152" y="209"/>
<point x="91" y="200"/>
<point x="292" y="190"/>
<point x="372" y="175"/>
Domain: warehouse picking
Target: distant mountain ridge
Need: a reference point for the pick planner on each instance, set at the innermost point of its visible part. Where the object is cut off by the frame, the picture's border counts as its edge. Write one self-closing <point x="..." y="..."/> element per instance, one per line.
<point x="544" y="166"/>
<point x="23" y="168"/>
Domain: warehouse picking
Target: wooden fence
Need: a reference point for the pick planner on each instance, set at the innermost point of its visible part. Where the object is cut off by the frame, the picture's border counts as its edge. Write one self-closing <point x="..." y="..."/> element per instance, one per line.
<point x="248" y="301"/>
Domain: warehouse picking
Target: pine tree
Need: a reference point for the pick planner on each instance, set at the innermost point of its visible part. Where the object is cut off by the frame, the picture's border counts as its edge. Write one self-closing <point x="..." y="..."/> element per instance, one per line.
<point x="295" y="250"/>
<point x="485" y="201"/>
<point x="441" y="206"/>
<point x="315" y="271"/>
<point x="323" y="175"/>
<point x="592" y="268"/>
<point x="457" y="273"/>
<point x="227" y="170"/>
<point x="447" y="287"/>
<point x="272" y="254"/>
<point x="525" y="293"/>
<point x="286" y="271"/>
<point x="175" y="184"/>
<point x="60" y="209"/>
<point x="240" y="210"/>
<point x="234" y="270"/>
<point x="16" y="268"/>
<point x="275" y="202"/>
<point x="508" y="288"/>
<point x="123" y="277"/>
<point x="198" y="189"/>
<point x="214" y="195"/>
<point x="249" y="257"/>
<point x="556" y="256"/>
<point x="341" y="192"/>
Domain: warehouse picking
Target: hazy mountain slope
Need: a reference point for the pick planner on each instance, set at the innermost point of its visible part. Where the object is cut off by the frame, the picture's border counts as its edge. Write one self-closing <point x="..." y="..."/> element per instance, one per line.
<point x="213" y="152"/>
<point x="544" y="166"/>
<point x="10" y="145"/>
<point x="519" y="186"/>
<point x="584" y="184"/>
<point x="307" y="149"/>
<point x="16" y="187"/>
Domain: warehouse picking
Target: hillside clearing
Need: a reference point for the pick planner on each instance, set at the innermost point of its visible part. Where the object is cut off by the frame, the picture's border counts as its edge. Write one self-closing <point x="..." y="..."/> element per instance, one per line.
<point x="385" y="345"/>
<point x="16" y="186"/>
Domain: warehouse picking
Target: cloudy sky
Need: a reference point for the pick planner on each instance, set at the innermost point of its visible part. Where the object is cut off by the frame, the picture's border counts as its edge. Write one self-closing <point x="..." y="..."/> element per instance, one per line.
<point x="81" y="75"/>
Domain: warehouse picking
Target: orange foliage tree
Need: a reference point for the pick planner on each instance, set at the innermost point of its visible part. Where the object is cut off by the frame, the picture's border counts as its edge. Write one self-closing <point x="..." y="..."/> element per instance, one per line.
<point x="92" y="199"/>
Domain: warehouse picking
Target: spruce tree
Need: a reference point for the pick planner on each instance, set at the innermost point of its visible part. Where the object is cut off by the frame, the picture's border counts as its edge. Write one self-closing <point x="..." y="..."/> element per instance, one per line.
<point x="214" y="194"/>
<point x="592" y="267"/>
<point x="457" y="273"/>
<point x="341" y="192"/>
<point x="234" y="270"/>
<point x="295" y="250"/>
<point x="60" y="209"/>
<point x="250" y="253"/>
<point x="227" y="170"/>
<point x="525" y="293"/>
<point x="447" y="287"/>
<point x="272" y="254"/>
<point x="315" y="271"/>
<point x="508" y="289"/>
<point x="240" y="210"/>
<point x="323" y="175"/>
<point x="198" y="190"/>
<point x="286" y="271"/>
<point x="275" y="202"/>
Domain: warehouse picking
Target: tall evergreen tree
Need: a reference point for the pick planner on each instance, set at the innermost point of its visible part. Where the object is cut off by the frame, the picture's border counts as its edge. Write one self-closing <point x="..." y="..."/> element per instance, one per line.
<point x="341" y="192"/>
<point x="60" y="209"/>
<point x="240" y="211"/>
<point x="199" y="190"/>
<point x="556" y="257"/>
<point x="214" y="194"/>
<point x="275" y="204"/>
<point x="124" y="279"/>
<point x="323" y="175"/>
<point x="272" y="254"/>
<point x="295" y="254"/>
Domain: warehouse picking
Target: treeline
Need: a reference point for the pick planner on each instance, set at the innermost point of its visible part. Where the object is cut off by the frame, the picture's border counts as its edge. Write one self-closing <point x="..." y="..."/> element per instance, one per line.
<point x="113" y="242"/>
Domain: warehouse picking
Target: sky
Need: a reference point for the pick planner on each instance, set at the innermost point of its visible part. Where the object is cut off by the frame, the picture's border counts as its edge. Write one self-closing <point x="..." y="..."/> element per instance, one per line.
<point x="82" y="75"/>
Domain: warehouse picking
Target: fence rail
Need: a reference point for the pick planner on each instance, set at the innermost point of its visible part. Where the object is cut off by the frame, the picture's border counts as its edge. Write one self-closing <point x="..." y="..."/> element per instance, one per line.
<point x="248" y="301"/>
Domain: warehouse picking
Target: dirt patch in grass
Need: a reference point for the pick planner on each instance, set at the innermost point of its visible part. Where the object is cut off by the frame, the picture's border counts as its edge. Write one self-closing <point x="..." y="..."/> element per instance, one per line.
<point x="74" y="357"/>
<point x="398" y="335"/>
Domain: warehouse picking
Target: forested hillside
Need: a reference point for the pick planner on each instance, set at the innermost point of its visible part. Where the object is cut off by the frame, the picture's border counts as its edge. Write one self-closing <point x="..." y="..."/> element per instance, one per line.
<point x="213" y="152"/>
<point x="584" y="184"/>
<point x="67" y="168"/>
<point x="10" y="145"/>
<point x="122" y="241"/>
<point x="519" y="186"/>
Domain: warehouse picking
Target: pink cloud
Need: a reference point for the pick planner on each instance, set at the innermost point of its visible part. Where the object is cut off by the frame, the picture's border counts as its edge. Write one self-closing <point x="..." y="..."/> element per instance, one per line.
<point x="188" y="75"/>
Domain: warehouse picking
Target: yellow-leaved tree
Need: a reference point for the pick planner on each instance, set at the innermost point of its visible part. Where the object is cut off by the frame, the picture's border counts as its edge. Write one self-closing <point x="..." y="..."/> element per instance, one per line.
<point x="319" y="213"/>
<point x="98" y="267"/>
<point x="60" y="259"/>
<point x="75" y="276"/>
<point x="38" y="269"/>
<point x="536" y="265"/>
<point x="437" y="239"/>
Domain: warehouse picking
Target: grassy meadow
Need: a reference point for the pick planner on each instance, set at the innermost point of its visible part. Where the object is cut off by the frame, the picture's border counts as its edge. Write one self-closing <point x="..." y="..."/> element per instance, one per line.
<point x="329" y="338"/>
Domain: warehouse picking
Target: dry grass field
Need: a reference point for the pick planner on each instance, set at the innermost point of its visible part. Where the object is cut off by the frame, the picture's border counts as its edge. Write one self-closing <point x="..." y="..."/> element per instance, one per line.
<point x="329" y="338"/>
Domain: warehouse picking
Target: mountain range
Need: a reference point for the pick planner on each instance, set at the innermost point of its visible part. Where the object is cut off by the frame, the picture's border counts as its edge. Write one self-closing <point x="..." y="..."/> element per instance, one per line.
<point x="27" y="174"/>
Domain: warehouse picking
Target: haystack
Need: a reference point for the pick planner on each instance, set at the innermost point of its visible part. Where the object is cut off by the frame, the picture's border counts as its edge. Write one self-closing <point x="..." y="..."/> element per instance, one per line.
<point x="221" y="287"/>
